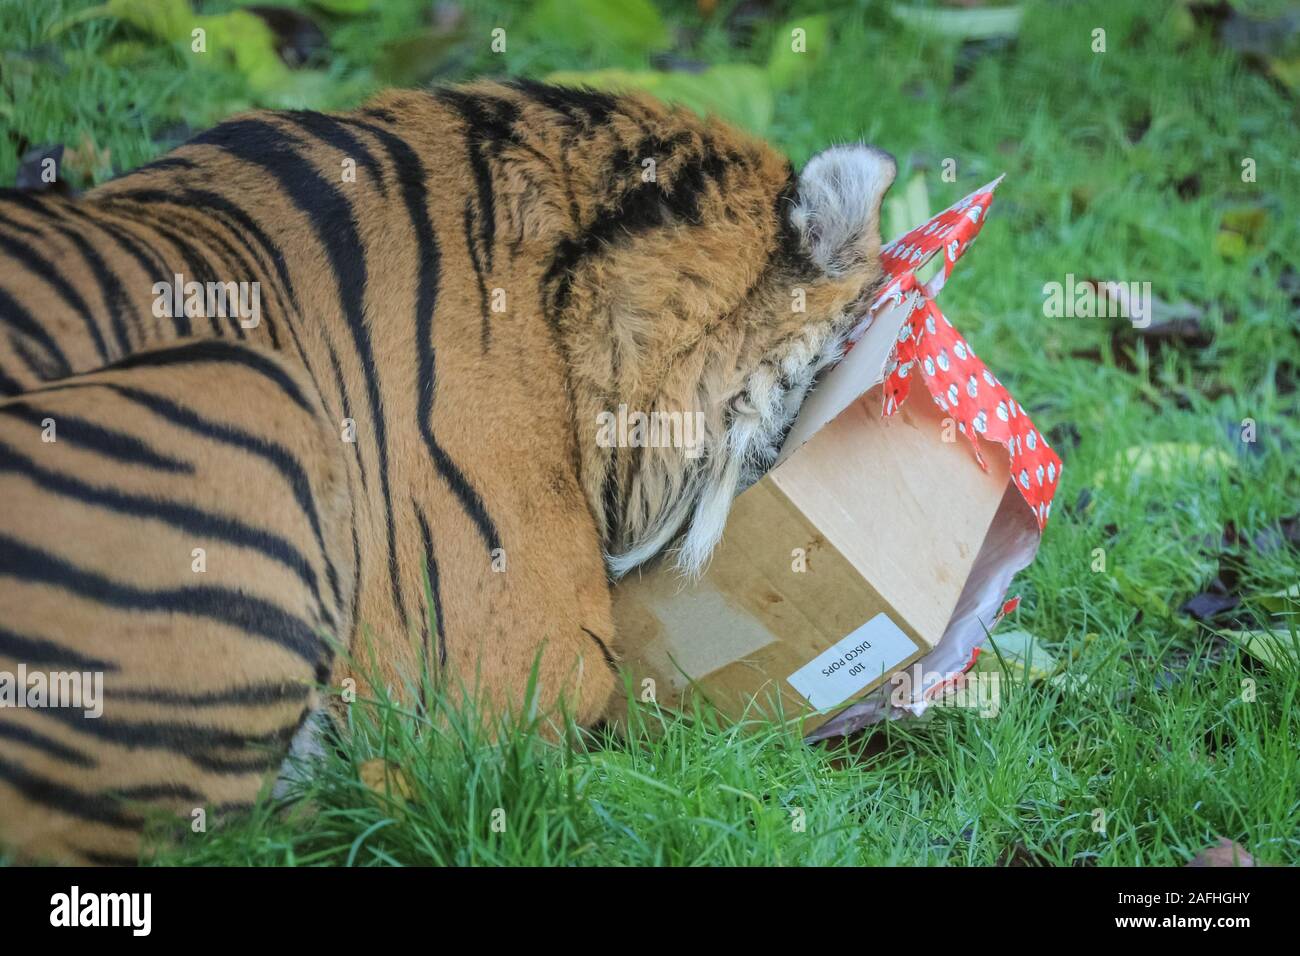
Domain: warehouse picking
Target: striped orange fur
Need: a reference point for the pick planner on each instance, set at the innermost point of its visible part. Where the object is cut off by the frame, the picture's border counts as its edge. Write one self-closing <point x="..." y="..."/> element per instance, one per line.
<point x="453" y="286"/>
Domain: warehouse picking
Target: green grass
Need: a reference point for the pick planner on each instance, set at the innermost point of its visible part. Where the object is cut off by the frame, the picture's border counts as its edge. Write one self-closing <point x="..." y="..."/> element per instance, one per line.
<point x="1120" y="166"/>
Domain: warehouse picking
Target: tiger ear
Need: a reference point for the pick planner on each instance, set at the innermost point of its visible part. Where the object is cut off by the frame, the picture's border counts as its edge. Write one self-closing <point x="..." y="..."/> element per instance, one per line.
<point x="837" y="209"/>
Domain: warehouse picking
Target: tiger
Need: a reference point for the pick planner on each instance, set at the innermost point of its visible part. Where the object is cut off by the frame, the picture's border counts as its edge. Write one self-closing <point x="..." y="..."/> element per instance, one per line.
<point x="209" y="509"/>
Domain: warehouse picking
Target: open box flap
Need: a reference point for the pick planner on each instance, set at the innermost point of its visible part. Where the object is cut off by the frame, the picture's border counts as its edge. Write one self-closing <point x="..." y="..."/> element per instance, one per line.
<point x="862" y="369"/>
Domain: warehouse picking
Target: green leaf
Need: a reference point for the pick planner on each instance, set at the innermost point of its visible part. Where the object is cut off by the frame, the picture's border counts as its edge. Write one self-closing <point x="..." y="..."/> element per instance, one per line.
<point x="1273" y="648"/>
<point x="343" y="7"/>
<point x="237" y="39"/>
<point x="1145" y="599"/>
<point x="1286" y="72"/>
<point x="410" y="61"/>
<point x="1022" y="653"/>
<point x="1163" y="459"/>
<point x="127" y="53"/>
<point x="1241" y="231"/>
<point x="1282" y="602"/>
<point x="975" y="23"/>
<point x="737" y="92"/>
<point x="245" y="40"/>
<point x="908" y="209"/>
<point x="794" y="53"/>
<point x="169" y="20"/>
<point x="1071" y="681"/>
<point x="630" y="27"/>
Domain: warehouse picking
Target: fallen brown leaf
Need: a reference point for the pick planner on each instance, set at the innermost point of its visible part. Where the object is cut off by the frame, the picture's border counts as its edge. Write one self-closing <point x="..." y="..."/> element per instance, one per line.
<point x="88" y="161"/>
<point x="385" y="779"/>
<point x="1223" y="853"/>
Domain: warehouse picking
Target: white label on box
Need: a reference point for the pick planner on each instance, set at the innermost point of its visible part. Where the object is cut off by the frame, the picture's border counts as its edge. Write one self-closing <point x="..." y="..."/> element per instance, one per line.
<point x="850" y="664"/>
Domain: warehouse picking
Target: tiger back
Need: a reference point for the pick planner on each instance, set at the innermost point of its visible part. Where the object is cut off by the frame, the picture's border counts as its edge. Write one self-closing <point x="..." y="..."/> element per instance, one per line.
<point x="435" y="296"/>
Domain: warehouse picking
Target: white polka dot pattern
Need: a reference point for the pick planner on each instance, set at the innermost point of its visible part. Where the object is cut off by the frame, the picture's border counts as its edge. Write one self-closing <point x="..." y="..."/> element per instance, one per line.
<point x="956" y="379"/>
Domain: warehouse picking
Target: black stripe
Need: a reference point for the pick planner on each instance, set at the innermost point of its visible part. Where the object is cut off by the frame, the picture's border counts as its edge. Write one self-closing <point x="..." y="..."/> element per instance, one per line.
<point x="247" y="694"/>
<point x="196" y="262"/>
<point x="88" y="436"/>
<point x="489" y="124"/>
<point x="346" y="402"/>
<point x="42" y="205"/>
<point x="94" y="807"/>
<point x="158" y="165"/>
<point x="789" y="249"/>
<point x="212" y="748"/>
<point x="469" y="498"/>
<point x="155" y="791"/>
<point x="47" y="745"/>
<point x="273" y="453"/>
<point x="188" y="254"/>
<point x="612" y="502"/>
<point x="145" y="256"/>
<point x="199" y="265"/>
<point x="244" y="267"/>
<point x="41" y="267"/>
<point x="244" y="229"/>
<point x="9" y="386"/>
<point x="610" y="659"/>
<point x="32" y="231"/>
<point x="263" y="145"/>
<point x="182" y="517"/>
<point x="638" y="209"/>
<point x="19" y="319"/>
<point x="252" y="266"/>
<point x="485" y="329"/>
<point x="116" y="302"/>
<point x="42" y="368"/>
<point x="590" y="107"/>
<point x="37" y="650"/>
<point x="235" y="609"/>
<point x="412" y="176"/>
<point x="246" y="226"/>
<point x="356" y="564"/>
<point x="435" y="587"/>
<point x="194" y="353"/>
<point x="232" y="258"/>
<point x="333" y="133"/>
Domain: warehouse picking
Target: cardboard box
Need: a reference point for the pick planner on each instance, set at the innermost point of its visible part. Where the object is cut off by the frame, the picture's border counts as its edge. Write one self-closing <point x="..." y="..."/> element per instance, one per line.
<point x="873" y="544"/>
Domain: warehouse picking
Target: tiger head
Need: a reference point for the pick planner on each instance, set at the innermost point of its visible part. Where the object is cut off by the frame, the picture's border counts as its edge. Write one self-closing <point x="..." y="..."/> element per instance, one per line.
<point x="721" y="288"/>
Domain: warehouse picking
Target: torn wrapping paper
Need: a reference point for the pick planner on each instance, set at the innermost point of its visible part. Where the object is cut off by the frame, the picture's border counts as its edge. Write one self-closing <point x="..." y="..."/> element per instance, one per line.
<point x="873" y="547"/>
<point x="961" y="385"/>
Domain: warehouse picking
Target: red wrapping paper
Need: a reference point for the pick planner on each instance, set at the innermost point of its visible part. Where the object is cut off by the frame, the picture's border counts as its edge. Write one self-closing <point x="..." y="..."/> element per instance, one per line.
<point x="930" y="347"/>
